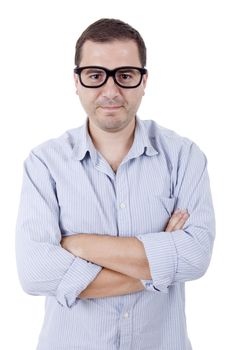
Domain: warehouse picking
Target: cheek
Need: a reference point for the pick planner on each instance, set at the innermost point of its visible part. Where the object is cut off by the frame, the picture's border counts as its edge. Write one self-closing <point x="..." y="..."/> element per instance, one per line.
<point x="134" y="99"/>
<point x="87" y="99"/>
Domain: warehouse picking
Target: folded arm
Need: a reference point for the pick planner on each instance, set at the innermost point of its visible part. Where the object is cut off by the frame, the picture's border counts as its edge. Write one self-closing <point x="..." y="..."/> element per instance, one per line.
<point x="184" y="254"/>
<point x="44" y="267"/>
<point x="121" y="254"/>
<point x="111" y="283"/>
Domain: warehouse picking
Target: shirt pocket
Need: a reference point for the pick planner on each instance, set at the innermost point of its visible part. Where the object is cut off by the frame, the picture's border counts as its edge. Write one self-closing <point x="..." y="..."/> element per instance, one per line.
<point x="161" y="209"/>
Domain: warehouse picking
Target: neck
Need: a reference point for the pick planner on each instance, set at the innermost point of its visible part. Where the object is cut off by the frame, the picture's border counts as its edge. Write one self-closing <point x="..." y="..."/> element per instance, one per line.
<point x="117" y="142"/>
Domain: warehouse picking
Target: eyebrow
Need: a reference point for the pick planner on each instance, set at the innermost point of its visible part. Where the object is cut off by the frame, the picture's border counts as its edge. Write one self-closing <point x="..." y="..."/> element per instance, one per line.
<point x="94" y="69"/>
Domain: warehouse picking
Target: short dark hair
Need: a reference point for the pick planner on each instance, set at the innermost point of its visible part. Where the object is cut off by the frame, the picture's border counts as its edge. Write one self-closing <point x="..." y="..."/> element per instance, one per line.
<point x="107" y="30"/>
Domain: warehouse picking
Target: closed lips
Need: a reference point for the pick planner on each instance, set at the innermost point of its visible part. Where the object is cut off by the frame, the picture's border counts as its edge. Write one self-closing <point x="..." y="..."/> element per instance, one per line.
<point x="110" y="106"/>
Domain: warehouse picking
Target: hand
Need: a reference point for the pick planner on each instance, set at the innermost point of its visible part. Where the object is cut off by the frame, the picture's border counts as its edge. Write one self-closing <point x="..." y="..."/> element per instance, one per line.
<point x="177" y="220"/>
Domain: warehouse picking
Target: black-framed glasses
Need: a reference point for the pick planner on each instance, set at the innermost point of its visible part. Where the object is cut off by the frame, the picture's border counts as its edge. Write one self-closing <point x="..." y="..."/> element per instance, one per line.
<point x="127" y="77"/>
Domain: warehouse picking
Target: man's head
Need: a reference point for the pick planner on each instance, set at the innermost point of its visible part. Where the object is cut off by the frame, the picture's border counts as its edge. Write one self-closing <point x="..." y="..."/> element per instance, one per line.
<point x="108" y="30"/>
<point x="111" y="99"/>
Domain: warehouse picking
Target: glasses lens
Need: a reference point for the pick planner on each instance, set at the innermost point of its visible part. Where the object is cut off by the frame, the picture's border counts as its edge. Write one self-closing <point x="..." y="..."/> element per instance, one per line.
<point x="93" y="76"/>
<point x="128" y="77"/>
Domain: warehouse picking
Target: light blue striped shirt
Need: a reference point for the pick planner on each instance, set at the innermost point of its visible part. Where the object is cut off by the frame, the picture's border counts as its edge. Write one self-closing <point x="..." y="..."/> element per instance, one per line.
<point x="68" y="187"/>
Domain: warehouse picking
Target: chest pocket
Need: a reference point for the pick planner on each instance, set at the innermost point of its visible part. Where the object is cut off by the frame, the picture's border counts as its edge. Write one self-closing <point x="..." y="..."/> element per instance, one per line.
<point x="161" y="209"/>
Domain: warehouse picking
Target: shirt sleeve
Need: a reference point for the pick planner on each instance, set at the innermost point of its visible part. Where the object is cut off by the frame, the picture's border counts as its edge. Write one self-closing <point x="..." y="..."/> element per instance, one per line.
<point x="184" y="255"/>
<point x="44" y="267"/>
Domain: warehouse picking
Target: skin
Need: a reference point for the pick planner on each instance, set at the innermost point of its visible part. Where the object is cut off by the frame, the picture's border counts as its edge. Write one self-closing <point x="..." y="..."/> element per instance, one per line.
<point x="126" y="271"/>
<point x="111" y="109"/>
<point x="111" y="114"/>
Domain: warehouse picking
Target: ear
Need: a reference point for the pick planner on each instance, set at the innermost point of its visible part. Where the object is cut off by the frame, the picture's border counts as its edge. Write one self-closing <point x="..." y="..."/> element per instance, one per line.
<point x="76" y="82"/>
<point x="144" y="81"/>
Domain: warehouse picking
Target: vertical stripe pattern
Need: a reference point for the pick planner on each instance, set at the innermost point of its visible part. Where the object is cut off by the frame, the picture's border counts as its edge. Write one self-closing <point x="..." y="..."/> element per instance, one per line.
<point x="68" y="187"/>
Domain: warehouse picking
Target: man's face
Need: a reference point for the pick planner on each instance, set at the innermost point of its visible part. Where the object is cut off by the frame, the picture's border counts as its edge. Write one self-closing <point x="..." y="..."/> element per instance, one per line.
<point x="110" y="107"/>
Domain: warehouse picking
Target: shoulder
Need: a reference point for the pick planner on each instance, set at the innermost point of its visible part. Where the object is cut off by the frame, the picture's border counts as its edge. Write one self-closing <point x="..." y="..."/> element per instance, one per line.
<point x="164" y="135"/>
<point x="56" y="148"/>
<point x="170" y="142"/>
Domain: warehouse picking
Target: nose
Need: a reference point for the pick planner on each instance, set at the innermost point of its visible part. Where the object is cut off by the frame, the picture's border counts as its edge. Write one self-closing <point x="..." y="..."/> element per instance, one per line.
<point x="110" y="88"/>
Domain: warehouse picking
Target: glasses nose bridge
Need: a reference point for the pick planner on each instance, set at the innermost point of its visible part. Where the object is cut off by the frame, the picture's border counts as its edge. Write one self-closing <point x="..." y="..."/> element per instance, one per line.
<point x="111" y="73"/>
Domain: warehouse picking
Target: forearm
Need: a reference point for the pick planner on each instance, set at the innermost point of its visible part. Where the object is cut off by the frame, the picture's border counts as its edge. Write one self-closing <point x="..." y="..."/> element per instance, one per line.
<point x="111" y="283"/>
<point x="122" y="254"/>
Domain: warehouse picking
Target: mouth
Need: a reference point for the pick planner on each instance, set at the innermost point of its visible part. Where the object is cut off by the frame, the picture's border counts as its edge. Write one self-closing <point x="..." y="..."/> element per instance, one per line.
<point x="110" y="107"/>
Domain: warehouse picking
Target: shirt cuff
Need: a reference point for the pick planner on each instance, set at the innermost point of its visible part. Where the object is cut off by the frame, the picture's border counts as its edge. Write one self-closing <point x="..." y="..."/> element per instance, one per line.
<point x="161" y="254"/>
<point x="148" y="285"/>
<point x="79" y="275"/>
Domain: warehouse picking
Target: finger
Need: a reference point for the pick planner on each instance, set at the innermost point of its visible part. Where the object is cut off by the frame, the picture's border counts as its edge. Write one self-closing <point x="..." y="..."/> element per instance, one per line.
<point x="181" y="222"/>
<point x="174" y="219"/>
<point x="177" y="220"/>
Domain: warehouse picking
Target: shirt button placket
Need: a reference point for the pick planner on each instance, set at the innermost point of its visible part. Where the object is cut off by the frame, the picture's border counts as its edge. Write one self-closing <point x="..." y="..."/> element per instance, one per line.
<point x="125" y="330"/>
<point x="122" y="197"/>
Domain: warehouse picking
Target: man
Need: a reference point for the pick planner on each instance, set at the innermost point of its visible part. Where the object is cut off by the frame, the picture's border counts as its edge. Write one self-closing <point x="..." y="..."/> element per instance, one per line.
<point x="116" y="215"/>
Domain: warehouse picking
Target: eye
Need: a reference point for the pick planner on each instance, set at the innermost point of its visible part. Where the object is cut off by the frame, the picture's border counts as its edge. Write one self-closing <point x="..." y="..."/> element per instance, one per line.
<point x="125" y="76"/>
<point x="95" y="76"/>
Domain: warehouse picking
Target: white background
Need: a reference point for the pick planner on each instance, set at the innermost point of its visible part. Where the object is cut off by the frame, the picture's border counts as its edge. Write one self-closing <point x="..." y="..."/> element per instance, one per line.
<point x="190" y="90"/>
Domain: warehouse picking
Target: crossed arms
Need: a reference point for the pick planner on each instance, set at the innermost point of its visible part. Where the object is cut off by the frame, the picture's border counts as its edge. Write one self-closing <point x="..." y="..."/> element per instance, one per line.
<point x="51" y="266"/>
<point x="123" y="259"/>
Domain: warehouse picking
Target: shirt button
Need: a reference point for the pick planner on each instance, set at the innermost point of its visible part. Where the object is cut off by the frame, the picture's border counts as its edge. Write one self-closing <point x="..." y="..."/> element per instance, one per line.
<point x="122" y="205"/>
<point x="126" y="315"/>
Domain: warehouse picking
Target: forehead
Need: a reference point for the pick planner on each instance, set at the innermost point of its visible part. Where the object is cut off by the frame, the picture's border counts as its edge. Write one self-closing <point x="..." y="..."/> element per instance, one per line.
<point x="111" y="54"/>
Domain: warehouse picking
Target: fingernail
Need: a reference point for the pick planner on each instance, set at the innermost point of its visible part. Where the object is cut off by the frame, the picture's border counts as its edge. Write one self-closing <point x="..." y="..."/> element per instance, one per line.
<point x="177" y="211"/>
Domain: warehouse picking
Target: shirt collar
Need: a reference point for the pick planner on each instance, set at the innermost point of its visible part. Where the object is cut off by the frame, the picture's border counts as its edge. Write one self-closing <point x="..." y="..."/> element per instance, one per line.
<point x="141" y="144"/>
<point x="83" y="143"/>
